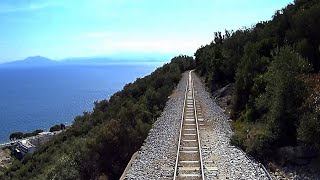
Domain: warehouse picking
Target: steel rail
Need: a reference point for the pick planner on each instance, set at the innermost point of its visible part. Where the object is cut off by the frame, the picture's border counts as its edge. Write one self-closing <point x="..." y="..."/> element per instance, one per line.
<point x="181" y="125"/>
<point x="189" y="87"/>
<point x="198" y="135"/>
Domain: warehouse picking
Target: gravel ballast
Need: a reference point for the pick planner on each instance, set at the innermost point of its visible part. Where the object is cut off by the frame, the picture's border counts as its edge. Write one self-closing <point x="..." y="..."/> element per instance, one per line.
<point x="156" y="158"/>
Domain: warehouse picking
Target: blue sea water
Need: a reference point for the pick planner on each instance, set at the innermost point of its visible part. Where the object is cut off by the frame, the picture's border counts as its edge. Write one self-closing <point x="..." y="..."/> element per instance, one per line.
<point x="37" y="98"/>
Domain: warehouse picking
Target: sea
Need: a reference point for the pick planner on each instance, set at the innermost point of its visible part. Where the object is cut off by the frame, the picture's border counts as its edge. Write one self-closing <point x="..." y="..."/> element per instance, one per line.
<point x="40" y="97"/>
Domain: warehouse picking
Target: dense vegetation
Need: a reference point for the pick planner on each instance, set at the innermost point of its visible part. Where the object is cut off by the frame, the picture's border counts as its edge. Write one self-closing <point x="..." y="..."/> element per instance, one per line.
<point x="267" y="64"/>
<point x="100" y="143"/>
<point x="57" y="127"/>
<point x="20" y="135"/>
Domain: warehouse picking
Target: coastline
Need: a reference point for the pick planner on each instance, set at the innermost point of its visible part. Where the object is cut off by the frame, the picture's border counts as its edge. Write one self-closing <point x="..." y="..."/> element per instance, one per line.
<point x="3" y="143"/>
<point x="7" y="156"/>
<point x="39" y="98"/>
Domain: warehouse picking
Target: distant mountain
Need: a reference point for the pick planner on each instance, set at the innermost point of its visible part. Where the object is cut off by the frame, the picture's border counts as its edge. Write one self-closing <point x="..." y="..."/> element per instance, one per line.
<point x="33" y="61"/>
<point x="121" y="59"/>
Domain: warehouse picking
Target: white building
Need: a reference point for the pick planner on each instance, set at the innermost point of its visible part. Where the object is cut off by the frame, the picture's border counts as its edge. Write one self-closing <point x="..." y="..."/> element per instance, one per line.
<point x="25" y="147"/>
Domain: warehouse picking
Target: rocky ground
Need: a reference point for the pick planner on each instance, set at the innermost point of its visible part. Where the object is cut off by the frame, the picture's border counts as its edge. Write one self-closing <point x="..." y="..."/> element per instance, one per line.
<point x="289" y="172"/>
<point x="5" y="157"/>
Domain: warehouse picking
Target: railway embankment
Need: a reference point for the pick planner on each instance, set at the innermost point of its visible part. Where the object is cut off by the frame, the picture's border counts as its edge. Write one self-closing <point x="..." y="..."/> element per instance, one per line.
<point x="156" y="158"/>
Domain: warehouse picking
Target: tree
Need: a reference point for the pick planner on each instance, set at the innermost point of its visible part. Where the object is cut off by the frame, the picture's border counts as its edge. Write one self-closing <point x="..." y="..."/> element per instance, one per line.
<point x="62" y="126"/>
<point x="56" y="127"/>
<point x="16" y="135"/>
<point x="248" y="69"/>
<point x="284" y="95"/>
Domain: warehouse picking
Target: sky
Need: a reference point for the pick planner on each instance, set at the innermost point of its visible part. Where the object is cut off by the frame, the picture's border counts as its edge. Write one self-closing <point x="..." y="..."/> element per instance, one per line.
<point x="60" y="29"/>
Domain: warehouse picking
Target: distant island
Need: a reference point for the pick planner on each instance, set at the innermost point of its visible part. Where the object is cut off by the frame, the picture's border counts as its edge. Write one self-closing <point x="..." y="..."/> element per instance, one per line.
<point x="40" y="61"/>
<point x="33" y="61"/>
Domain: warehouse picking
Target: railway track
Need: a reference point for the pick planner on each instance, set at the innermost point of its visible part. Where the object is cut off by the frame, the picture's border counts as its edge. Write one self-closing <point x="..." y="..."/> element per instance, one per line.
<point x="189" y="164"/>
<point x="203" y="151"/>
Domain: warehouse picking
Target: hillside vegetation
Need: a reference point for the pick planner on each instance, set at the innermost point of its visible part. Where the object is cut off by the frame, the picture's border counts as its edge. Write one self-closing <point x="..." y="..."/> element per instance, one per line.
<point x="272" y="104"/>
<point x="100" y="143"/>
<point x="274" y="66"/>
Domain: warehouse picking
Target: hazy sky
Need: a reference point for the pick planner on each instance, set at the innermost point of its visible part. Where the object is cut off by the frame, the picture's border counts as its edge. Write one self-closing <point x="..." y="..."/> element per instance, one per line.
<point x="73" y="28"/>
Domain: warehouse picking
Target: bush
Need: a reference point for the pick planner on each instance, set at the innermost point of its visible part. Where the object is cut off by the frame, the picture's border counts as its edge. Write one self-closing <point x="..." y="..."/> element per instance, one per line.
<point x="259" y="140"/>
<point x="240" y="129"/>
<point x="57" y="127"/>
<point x="254" y="138"/>
<point x="20" y="135"/>
<point x="308" y="131"/>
